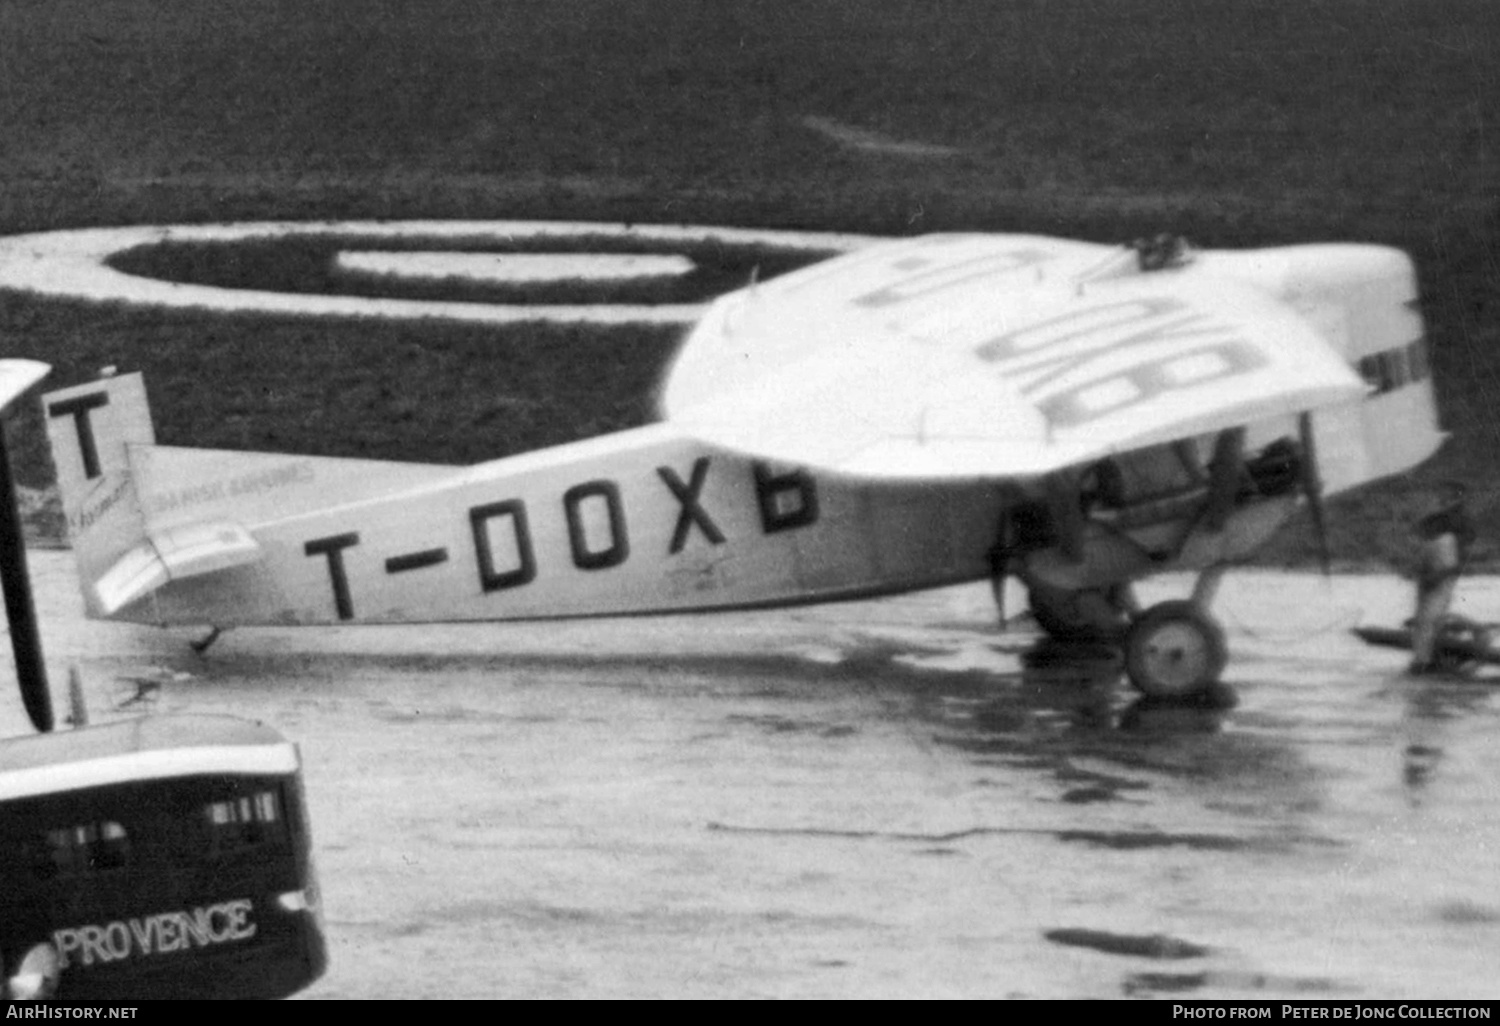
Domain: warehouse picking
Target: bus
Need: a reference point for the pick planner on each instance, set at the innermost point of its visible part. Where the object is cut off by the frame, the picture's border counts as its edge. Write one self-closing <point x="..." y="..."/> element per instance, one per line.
<point x="160" y="857"/>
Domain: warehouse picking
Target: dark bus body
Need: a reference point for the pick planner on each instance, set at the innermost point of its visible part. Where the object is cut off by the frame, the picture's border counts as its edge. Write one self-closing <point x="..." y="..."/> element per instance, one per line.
<point x="162" y="857"/>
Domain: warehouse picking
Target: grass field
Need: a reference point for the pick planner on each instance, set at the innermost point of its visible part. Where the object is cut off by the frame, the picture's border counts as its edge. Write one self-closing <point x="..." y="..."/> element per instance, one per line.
<point x="1236" y="122"/>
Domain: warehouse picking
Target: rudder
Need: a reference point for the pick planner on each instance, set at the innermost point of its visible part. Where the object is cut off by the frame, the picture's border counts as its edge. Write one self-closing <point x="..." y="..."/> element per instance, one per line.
<point x="90" y="429"/>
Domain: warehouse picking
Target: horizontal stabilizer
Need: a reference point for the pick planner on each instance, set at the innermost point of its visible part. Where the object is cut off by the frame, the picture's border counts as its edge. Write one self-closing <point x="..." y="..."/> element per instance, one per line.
<point x="188" y="550"/>
<point x="16" y="376"/>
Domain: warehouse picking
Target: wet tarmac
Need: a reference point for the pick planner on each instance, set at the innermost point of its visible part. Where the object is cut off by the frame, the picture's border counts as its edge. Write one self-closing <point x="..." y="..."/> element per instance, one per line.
<point x="880" y="799"/>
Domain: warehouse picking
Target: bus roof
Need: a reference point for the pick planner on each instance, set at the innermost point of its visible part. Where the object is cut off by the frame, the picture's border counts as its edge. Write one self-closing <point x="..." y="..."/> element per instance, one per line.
<point x="148" y="748"/>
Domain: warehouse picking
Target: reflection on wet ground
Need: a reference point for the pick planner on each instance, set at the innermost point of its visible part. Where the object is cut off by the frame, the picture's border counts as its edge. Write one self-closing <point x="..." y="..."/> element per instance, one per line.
<point x="874" y="800"/>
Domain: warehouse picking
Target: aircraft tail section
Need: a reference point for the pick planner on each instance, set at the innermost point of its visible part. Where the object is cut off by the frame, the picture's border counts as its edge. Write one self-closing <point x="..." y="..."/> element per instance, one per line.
<point x="90" y="429"/>
<point x="140" y="514"/>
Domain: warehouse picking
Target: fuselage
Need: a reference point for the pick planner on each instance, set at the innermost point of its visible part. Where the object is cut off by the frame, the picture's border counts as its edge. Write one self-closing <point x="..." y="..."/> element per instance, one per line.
<point x="644" y="520"/>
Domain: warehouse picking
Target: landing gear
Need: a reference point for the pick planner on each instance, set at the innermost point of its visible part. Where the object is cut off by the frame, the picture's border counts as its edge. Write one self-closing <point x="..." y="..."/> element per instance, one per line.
<point x="201" y="645"/>
<point x="1088" y="615"/>
<point x="1174" y="650"/>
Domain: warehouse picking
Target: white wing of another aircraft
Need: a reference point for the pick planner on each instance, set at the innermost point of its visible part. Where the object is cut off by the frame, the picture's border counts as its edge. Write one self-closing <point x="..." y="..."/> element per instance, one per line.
<point x="898" y="367"/>
<point x="16" y="376"/>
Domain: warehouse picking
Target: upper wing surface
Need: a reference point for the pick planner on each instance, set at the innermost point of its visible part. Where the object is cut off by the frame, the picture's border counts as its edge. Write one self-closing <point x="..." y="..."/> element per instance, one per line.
<point x="947" y="373"/>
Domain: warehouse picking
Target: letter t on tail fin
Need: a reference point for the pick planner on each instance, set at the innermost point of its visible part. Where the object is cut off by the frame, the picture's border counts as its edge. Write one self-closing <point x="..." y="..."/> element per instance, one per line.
<point x="90" y="429"/>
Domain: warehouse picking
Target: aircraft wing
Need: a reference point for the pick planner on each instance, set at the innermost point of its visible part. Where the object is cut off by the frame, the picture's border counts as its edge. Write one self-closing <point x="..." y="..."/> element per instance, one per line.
<point x="1019" y="380"/>
<point x="16" y="376"/>
<point x="188" y="550"/>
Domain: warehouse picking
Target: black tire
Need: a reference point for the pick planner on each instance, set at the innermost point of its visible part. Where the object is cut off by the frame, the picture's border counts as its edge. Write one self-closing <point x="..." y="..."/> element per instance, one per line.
<point x="1175" y="650"/>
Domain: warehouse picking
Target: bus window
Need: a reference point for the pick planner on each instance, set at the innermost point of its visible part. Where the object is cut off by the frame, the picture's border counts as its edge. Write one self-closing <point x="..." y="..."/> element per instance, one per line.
<point x="244" y="822"/>
<point x="85" y="848"/>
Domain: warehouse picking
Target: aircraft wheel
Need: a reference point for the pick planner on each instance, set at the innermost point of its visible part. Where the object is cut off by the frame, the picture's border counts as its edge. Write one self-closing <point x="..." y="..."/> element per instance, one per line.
<point x="1174" y="650"/>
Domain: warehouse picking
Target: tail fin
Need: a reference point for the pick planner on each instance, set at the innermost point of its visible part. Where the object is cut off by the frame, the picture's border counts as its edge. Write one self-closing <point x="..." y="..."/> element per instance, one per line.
<point x="90" y="428"/>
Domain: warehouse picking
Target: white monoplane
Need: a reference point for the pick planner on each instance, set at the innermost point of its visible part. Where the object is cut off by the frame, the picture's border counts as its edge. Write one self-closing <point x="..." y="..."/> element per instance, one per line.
<point x="914" y="414"/>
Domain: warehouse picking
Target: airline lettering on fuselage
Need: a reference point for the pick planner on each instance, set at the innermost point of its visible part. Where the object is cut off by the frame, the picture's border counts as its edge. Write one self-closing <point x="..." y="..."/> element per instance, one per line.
<point x="691" y="513"/>
<point x="598" y="531"/>
<point x="416" y="560"/>
<point x="98" y="505"/>
<point x="787" y="501"/>
<point x="257" y="482"/>
<point x="333" y="547"/>
<point x="591" y="554"/>
<point x="523" y="569"/>
<point x="1090" y="362"/>
<point x="160" y="934"/>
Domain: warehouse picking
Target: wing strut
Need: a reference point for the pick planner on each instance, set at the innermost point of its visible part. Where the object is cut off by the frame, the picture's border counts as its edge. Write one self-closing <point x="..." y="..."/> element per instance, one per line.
<point x="1225" y="471"/>
<point x="1312" y="486"/>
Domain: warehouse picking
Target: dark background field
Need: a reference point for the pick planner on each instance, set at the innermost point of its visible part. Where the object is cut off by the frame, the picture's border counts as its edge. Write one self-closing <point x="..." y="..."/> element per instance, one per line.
<point x="1237" y="123"/>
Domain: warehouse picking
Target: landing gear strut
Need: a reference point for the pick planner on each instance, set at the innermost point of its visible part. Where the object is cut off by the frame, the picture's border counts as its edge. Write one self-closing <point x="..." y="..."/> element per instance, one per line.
<point x="1171" y="650"/>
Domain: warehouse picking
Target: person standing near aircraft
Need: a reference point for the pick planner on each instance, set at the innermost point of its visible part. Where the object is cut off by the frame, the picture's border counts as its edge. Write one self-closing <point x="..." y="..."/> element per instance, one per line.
<point x="1444" y="537"/>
